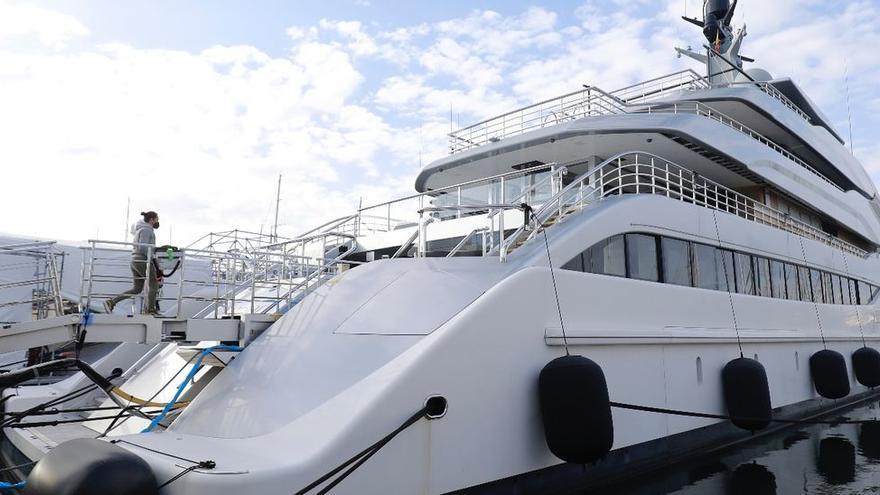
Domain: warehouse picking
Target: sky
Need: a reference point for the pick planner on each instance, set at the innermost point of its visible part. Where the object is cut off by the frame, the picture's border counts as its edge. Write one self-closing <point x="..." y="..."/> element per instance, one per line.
<point x="193" y="109"/>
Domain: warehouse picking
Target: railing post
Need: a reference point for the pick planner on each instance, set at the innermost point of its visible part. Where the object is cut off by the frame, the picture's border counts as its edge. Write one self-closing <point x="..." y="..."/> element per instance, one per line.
<point x="91" y="275"/>
<point x="180" y="283"/>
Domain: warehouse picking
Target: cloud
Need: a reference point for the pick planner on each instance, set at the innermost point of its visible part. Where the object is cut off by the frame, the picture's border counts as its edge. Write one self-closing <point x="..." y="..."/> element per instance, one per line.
<point x="349" y="111"/>
<point x="51" y="28"/>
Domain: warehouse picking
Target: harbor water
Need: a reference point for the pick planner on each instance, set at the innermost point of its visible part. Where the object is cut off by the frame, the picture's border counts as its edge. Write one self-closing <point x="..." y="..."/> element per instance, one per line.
<point x="827" y="459"/>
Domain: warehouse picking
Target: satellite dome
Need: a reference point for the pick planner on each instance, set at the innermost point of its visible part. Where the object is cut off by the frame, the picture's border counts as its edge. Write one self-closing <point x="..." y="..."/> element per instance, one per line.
<point x="759" y="75"/>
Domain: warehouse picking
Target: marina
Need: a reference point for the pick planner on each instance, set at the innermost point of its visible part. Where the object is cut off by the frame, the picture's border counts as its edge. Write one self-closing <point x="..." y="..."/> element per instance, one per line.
<point x="669" y="287"/>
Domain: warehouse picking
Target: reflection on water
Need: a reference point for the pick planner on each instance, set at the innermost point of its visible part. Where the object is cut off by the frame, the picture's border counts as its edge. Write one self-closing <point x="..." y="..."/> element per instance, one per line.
<point x="817" y="459"/>
<point x="837" y="460"/>
<point x="751" y="479"/>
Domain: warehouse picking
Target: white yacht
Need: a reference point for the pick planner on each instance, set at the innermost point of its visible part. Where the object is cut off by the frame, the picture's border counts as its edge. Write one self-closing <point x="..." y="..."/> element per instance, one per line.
<point x="568" y="281"/>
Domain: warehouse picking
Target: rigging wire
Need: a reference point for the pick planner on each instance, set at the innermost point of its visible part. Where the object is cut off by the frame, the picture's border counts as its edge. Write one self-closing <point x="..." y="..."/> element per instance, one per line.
<point x="113" y="425"/>
<point x="531" y="213"/>
<point x="360" y="458"/>
<point x="728" y="281"/>
<point x="812" y="290"/>
<point x="858" y="313"/>
<point x="692" y="414"/>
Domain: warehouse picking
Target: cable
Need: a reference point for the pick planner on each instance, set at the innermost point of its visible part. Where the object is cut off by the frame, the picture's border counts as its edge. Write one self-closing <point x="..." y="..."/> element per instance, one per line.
<point x="530" y="212"/>
<point x="677" y="412"/>
<point x="727" y="281"/>
<point x="813" y="291"/>
<point x="858" y="313"/>
<point x="189" y="377"/>
<point x="360" y="458"/>
<point x="36" y="424"/>
<point x="113" y="424"/>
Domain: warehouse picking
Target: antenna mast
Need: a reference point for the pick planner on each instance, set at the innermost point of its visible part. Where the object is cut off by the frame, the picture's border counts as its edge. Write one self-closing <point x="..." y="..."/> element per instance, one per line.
<point x="277" y="203"/>
<point x="848" y="105"/>
<point x="127" y="217"/>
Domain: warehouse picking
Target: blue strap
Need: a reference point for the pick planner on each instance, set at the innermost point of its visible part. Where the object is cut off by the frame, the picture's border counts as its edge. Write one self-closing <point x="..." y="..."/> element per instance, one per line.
<point x="12" y="486"/>
<point x="87" y="317"/>
<point x="189" y="377"/>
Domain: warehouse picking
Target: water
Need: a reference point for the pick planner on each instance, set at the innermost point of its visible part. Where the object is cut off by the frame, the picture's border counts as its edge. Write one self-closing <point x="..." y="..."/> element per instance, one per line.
<point x="816" y="459"/>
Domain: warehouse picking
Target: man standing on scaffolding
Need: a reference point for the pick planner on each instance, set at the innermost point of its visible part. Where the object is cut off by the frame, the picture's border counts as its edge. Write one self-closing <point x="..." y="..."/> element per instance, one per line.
<point x="141" y="266"/>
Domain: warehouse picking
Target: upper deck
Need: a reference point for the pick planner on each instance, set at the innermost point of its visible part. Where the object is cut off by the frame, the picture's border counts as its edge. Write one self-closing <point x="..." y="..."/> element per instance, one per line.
<point x="797" y="131"/>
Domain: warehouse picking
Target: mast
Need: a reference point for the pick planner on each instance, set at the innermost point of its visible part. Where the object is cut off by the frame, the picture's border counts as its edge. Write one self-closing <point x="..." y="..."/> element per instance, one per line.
<point x="127" y="217"/>
<point x="277" y="203"/>
<point x="724" y="64"/>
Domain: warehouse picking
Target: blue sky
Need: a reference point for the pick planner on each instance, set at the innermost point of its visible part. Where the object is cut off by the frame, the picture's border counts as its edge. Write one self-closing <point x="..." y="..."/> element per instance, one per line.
<point x="193" y="108"/>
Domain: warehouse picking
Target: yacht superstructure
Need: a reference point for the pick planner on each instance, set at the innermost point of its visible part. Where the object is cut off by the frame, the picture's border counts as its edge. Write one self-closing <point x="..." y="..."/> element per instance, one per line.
<point x="660" y="231"/>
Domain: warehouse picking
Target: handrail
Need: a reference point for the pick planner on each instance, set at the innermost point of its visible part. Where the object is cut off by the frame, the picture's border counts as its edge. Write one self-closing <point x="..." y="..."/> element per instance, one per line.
<point x="773" y="92"/>
<point x="595" y="101"/>
<point x="625" y="174"/>
<point x="466" y="239"/>
<point x="45" y="281"/>
<point x="707" y="111"/>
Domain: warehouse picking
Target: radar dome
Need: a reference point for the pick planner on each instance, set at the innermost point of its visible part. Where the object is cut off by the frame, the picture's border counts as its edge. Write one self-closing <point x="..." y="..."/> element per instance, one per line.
<point x="759" y="75"/>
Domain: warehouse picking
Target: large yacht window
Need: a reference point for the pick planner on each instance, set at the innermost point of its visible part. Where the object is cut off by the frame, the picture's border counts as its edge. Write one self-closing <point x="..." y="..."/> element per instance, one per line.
<point x="676" y="261"/>
<point x="708" y="267"/>
<point x="762" y="277"/>
<point x="641" y="257"/>
<point x="606" y="257"/>
<point x="647" y="257"/>
<point x="777" y="279"/>
<point x="853" y="294"/>
<point x="576" y="264"/>
<point x="836" y="291"/>
<point x="816" y="282"/>
<point x="745" y="276"/>
<point x="825" y="279"/>
<point x="791" y="283"/>
<point x="864" y="293"/>
<point x="804" y="284"/>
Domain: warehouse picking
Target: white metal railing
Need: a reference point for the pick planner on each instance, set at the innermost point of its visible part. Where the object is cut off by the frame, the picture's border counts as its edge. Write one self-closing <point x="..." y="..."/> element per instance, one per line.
<point x="571" y="106"/>
<point x="204" y="283"/>
<point x="581" y="103"/>
<point x="596" y="100"/>
<point x="644" y="173"/>
<point x="485" y="199"/>
<point x="686" y="80"/>
<point x="697" y="108"/>
<point x="37" y="273"/>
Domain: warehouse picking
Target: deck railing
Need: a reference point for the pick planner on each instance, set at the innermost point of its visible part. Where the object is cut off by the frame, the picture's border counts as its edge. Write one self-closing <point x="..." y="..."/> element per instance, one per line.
<point x="204" y="283"/>
<point x="644" y="173"/>
<point x="35" y="272"/>
<point x="581" y="103"/>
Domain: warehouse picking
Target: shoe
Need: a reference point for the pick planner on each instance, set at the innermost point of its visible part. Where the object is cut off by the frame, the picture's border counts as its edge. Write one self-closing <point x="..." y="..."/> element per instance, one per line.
<point x="108" y="306"/>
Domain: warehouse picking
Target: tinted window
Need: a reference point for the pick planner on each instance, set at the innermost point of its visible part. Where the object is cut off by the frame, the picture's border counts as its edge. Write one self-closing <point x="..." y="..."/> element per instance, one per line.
<point x="816" y="282"/>
<point x="641" y="254"/>
<point x="727" y="270"/>
<point x="676" y="262"/>
<point x="791" y="282"/>
<point x="777" y="279"/>
<point x="606" y="257"/>
<point x="762" y="276"/>
<point x="864" y="293"/>
<point x="745" y="277"/>
<point x="836" y="293"/>
<point x="826" y="288"/>
<point x="804" y="284"/>
<point x="576" y="264"/>
<point x="708" y="267"/>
